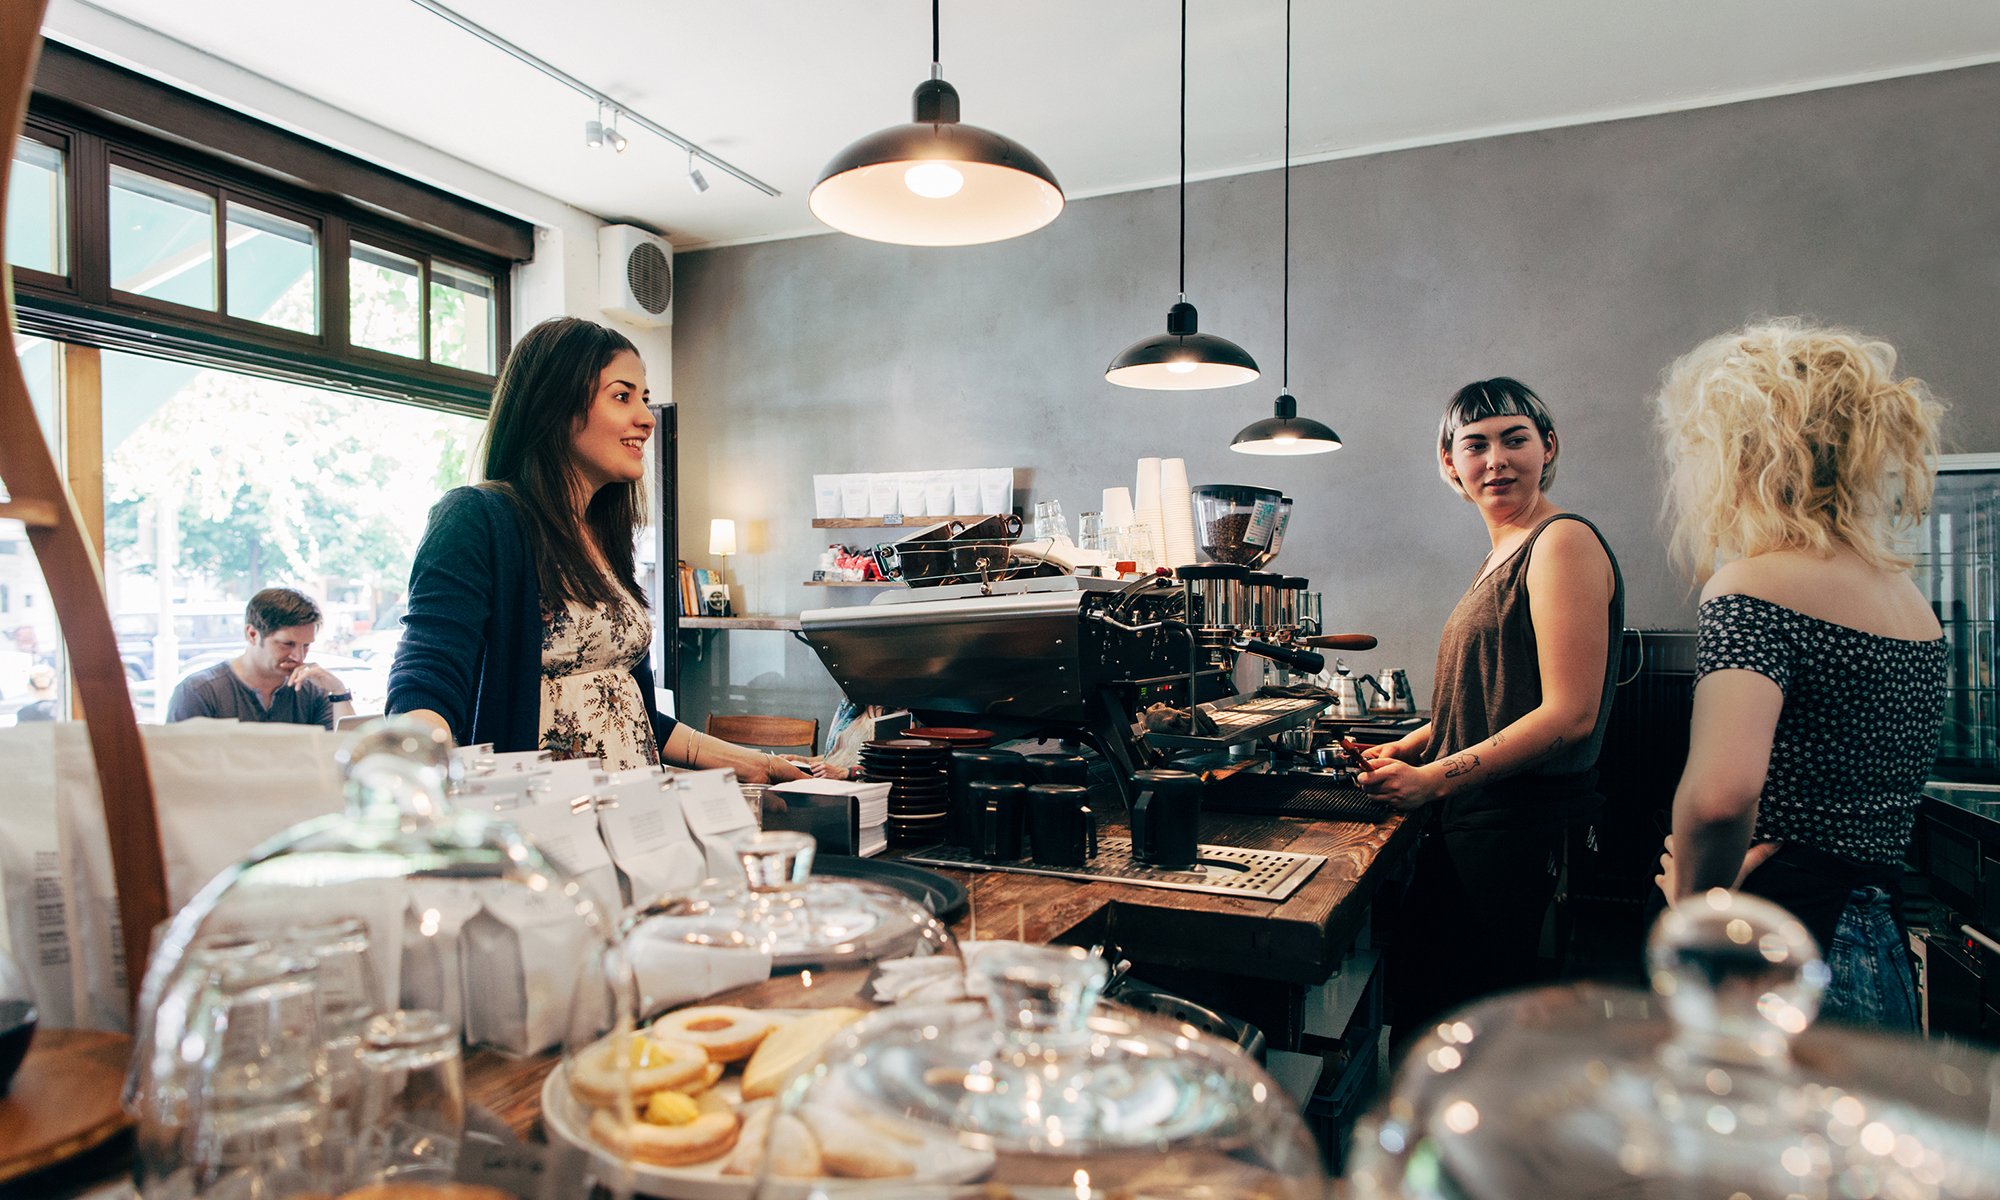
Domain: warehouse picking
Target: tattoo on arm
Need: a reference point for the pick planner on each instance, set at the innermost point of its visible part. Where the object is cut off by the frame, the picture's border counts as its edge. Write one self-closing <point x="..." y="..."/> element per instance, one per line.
<point x="1554" y="749"/>
<point x="1459" y="764"/>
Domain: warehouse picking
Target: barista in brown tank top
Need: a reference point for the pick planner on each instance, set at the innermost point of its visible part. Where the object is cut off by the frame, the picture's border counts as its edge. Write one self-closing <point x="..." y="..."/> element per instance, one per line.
<point x="1489" y="678"/>
<point x="1525" y="673"/>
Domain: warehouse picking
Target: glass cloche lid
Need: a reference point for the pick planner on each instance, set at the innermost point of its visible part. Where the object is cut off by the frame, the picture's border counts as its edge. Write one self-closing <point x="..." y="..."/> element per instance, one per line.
<point x="304" y="1024"/>
<point x="818" y="939"/>
<point x="738" y="984"/>
<point x="1712" y="1085"/>
<point x="1032" y="1090"/>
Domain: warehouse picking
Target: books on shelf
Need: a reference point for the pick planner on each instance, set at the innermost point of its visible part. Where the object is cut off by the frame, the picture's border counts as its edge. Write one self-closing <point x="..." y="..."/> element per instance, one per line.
<point x="696" y="585"/>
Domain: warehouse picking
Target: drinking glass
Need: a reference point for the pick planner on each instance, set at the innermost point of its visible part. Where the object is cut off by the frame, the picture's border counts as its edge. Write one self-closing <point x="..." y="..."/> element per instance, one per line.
<point x="1044" y="520"/>
<point x="257" y="1096"/>
<point x="1090" y="531"/>
<point x="753" y="798"/>
<point x="344" y="962"/>
<point x="412" y="1113"/>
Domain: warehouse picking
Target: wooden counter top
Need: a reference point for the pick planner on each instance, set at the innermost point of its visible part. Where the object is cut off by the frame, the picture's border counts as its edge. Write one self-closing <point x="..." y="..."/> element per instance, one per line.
<point x="1300" y="940"/>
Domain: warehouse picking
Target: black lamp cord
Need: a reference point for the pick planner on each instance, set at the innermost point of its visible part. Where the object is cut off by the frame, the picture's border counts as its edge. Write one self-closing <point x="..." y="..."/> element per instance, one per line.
<point x="1285" y="383"/>
<point x="936" y="70"/>
<point x="1183" y="287"/>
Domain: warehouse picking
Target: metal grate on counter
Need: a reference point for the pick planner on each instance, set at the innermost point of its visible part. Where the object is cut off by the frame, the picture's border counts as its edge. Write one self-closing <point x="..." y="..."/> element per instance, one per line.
<point x="1320" y="795"/>
<point x="1218" y="871"/>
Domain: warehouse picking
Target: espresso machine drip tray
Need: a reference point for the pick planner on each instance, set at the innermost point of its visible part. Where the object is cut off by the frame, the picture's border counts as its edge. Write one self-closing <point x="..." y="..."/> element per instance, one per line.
<point x="1243" y="719"/>
<point x="1219" y="870"/>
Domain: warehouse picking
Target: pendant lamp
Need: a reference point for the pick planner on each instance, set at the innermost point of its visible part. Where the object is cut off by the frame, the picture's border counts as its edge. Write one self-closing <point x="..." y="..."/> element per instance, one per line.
<point x="1287" y="432"/>
<point x="1184" y="358"/>
<point x="936" y="181"/>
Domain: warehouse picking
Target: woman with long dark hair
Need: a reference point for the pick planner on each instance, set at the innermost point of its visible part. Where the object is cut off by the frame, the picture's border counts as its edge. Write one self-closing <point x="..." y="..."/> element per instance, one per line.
<point x="527" y="627"/>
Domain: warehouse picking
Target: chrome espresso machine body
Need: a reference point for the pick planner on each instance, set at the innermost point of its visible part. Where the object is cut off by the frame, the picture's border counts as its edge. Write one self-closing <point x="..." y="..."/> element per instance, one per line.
<point x="1076" y="657"/>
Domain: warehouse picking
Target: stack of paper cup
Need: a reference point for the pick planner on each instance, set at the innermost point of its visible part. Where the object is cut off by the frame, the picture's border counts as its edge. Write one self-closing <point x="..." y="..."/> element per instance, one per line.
<point x="1118" y="524"/>
<point x="1146" y="514"/>
<point x="1177" y="512"/>
<point x="1117" y="507"/>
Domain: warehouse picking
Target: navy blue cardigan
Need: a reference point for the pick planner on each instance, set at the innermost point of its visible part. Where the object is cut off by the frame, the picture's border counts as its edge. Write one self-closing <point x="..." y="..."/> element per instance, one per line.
<point x="472" y="642"/>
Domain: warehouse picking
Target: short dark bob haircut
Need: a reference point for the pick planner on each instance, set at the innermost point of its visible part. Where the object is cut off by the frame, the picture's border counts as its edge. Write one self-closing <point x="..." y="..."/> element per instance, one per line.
<point x="279" y="608"/>
<point x="1496" y="397"/>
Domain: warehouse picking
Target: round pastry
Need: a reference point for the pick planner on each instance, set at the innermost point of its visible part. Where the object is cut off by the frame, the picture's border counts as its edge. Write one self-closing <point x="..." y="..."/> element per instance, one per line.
<point x="728" y="1034"/>
<point x="709" y="1135"/>
<point x="794" y="1151"/>
<point x="656" y="1064"/>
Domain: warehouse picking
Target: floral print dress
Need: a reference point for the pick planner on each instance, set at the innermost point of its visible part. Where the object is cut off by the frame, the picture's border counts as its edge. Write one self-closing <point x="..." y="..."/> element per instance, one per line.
<point x="591" y="706"/>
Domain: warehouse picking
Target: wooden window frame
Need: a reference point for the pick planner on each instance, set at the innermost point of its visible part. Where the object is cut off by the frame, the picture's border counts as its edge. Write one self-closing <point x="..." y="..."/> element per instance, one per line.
<point x="82" y="308"/>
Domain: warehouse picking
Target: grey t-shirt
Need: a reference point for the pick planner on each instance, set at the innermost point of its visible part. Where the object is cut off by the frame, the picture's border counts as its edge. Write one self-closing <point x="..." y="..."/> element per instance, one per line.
<point x="218" y="692"/>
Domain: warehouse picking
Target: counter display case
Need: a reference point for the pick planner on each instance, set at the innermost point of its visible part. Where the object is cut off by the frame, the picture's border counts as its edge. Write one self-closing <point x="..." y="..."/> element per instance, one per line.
<point x="1955" y="551"/>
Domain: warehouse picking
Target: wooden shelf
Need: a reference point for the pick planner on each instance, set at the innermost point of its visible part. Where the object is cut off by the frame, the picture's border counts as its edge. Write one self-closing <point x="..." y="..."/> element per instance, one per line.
<point x="873" y="583"/>
<point x="879" y="523"/>
<point x="740" y="623"/>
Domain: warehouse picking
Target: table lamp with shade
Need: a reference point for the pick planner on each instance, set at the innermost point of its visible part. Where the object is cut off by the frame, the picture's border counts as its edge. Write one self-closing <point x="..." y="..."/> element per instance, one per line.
<point x="722" y="544"/>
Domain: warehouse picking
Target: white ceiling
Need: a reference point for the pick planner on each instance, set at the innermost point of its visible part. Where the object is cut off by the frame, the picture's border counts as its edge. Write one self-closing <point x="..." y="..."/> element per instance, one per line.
<point x="778" y="86"/>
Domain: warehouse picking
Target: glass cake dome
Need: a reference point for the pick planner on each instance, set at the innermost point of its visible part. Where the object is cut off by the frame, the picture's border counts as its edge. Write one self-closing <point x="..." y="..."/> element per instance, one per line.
<point x="297" y="1036"/>
<point x="1711" y="1085"/>
<point x="737" y="983"/>
<point x="1032" y="1090"/>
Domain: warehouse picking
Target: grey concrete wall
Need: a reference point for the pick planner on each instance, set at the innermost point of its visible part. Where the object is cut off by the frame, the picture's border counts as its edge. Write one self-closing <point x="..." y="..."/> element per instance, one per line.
<point x="1580" y="260"/>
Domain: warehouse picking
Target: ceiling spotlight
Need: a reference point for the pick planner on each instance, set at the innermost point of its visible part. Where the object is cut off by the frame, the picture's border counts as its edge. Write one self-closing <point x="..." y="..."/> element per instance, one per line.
<point x="612" y="135"/>
<point x="593" y="134"/>
<point x="695" y="179"/>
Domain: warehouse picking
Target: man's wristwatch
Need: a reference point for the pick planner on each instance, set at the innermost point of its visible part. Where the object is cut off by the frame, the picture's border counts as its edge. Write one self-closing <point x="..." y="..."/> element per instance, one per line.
<point x="343" y="698"/>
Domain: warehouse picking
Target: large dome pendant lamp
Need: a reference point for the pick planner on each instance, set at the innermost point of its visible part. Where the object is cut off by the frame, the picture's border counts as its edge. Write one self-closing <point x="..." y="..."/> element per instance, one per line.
<point x="1287" y="432"/>
<point x="1183" y="358"/>
<point x="936" y="181"/>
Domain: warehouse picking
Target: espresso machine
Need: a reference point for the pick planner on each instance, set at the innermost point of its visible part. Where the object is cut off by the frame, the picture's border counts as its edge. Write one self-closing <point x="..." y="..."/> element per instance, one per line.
<point x="1145" y="672"/>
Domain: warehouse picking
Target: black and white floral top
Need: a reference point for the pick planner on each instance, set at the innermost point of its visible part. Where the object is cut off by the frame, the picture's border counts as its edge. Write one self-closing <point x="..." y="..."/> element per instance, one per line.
<point x="591" y="706"/>
<point x="1858" y="734"/>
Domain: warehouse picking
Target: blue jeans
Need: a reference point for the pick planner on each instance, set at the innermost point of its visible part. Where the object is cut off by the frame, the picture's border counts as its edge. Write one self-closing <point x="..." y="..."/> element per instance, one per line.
<point x="1870" y="960"/>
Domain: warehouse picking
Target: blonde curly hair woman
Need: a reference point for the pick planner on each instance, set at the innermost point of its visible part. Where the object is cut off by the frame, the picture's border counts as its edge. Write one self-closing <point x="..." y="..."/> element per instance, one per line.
<point x="1797" y="459"/>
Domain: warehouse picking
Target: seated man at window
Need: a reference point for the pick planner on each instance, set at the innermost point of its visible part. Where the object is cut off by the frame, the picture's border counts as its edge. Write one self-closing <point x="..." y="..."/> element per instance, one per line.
<point x="271" y="680"/>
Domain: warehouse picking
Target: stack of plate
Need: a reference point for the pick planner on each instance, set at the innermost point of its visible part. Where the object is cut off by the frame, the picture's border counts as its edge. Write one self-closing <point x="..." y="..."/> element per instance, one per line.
<point x="915" y="771"/>
<point x="953" y="737"/>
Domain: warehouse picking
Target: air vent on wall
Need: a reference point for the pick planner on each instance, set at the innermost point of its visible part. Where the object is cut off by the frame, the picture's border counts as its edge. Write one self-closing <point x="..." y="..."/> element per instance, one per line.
<point x="635" y="275"/>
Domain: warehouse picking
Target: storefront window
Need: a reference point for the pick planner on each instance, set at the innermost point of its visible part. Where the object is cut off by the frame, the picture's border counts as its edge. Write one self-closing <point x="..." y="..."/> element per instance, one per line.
<point x="273" y="269"/>
<point x="217" y="485"/>
<point x="385" y="304"/>
<point x="462" y="318"/>
<point x="32" y="682"/>
<point x="162" y="239"/>
<point x="36" y="228"/>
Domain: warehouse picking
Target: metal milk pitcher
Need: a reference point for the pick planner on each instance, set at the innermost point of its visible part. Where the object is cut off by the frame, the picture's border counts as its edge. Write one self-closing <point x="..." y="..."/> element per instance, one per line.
<point x="1397" y="696"/>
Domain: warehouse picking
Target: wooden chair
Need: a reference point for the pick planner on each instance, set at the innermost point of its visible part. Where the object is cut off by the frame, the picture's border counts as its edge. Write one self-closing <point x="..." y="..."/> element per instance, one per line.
<point x="766" y="733"/>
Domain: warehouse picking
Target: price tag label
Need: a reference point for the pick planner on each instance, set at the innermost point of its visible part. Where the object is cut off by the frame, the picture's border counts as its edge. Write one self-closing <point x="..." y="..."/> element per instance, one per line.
<point x="515" y="1167"/>
<point x="1262" y="518"/>
<point x="892" y="518"/>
